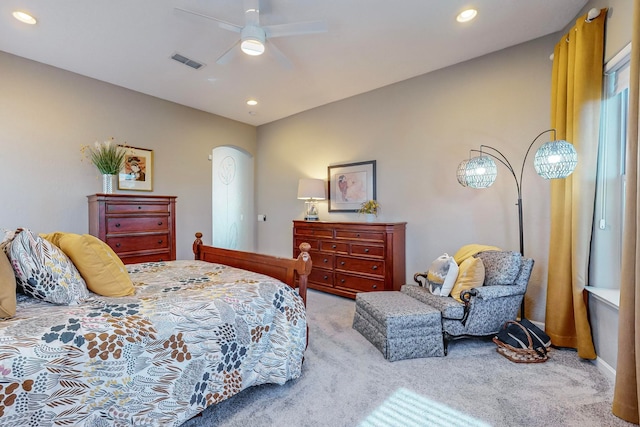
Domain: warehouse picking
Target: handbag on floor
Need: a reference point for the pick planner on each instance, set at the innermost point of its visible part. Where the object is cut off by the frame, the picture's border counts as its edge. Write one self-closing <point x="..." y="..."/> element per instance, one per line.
<point x="523" y="342"/>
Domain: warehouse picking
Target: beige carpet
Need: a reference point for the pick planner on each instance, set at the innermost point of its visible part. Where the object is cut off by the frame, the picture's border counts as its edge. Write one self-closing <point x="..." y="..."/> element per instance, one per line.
<point x="347" y="382"/>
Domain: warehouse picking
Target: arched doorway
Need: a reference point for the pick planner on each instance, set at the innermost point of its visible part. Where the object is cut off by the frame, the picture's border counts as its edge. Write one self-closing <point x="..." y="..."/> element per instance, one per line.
<point x="232" y="195"/>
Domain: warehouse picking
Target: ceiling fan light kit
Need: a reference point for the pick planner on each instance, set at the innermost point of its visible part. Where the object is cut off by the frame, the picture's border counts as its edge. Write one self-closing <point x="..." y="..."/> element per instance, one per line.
<point x="253" y="39"/>
<point x="253" y="36"/>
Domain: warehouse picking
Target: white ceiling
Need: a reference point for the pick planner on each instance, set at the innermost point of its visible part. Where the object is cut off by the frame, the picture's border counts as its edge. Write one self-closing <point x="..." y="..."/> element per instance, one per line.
<point x="369" y="44"/>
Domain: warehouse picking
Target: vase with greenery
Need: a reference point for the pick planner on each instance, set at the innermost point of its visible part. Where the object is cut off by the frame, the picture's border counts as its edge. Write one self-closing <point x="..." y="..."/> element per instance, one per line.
<point x="370" y="209"/>
<point x="109" y="158"/>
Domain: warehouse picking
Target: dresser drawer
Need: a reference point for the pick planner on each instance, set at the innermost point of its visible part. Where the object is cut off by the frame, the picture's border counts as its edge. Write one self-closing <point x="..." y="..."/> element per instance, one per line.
<point x="367" y="250"/>
<point x="132" y="223"/>
<point x="358" y="283"/>
<point x="138" y="243"/>
<point x="315" y="244"/>
<point x="324" y="277"/>
<point x="136" y="207"/>
<point x="331" y="246"/>
<point x="322" y="260"/>
<point x="360" y="235"/>
<point x="323" y="232"/>
<point x="153" y="257"/>
<point x="360" y="265"/>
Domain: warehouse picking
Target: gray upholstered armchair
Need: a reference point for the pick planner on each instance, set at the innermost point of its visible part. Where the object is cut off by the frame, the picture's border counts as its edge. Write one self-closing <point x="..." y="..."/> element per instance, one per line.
<point x="485" y="309"/>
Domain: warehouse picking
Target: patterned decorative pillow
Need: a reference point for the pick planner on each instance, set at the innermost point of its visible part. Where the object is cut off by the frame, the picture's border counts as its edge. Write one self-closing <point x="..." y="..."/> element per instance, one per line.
<point x="43" y="271"/>
<point x="500" y="267"/>
<point x="442" y="275"/>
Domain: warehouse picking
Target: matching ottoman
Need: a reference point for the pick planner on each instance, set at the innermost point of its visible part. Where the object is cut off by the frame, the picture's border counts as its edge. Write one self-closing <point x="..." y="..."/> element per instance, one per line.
<point x="399" y="326"/>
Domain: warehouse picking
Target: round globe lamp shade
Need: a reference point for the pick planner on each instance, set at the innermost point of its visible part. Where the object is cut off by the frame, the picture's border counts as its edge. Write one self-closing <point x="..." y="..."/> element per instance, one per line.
<point x="481" y="172"/>
<point x="555" y="159"/>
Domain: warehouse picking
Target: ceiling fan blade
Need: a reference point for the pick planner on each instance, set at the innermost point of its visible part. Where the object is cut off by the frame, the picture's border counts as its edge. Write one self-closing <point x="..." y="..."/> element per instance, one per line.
<point x="223" y="24"/>
<point x="281" y="57"/>
<point x="295" y="28"/>
<point x="226" y="57"/>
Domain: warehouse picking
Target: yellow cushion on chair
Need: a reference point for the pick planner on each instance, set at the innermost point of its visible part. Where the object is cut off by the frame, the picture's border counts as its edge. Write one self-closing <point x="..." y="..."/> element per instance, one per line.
<point x="470" y="250"/>
<point x="470" y="275"/>
<point x="101" y="268"/>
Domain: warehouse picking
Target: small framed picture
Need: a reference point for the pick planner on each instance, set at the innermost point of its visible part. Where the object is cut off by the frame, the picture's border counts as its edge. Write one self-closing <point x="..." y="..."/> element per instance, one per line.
<point x="350" y="185"/>
<point x="137" y="171"/>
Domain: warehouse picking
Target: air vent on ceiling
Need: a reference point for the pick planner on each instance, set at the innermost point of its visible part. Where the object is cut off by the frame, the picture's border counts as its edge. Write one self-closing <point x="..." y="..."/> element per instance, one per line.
<point x="186" y="61"/>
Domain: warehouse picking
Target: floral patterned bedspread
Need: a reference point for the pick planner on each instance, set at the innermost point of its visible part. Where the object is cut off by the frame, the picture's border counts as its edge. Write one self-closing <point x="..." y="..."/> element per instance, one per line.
<point x="194" y="334"/>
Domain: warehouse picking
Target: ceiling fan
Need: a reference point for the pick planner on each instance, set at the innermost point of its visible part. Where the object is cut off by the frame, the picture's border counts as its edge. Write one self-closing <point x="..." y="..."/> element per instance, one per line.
<point x="253" y="36"/>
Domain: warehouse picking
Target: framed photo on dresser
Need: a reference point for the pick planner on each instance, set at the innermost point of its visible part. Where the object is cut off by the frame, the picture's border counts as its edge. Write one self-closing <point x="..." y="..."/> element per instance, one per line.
<point x="137" y="171"/>
<point x="350" y="185"/>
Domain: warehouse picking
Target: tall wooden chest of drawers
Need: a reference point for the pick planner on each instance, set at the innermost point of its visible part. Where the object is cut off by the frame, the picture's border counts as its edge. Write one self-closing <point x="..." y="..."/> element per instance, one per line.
<point x="138" y="228"/>
<point x="352" y="257"/>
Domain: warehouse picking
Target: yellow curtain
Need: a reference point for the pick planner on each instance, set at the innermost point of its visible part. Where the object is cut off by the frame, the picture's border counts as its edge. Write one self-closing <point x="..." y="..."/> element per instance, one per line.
<point x="575" y="114"/>
<point x="625" y="398"/>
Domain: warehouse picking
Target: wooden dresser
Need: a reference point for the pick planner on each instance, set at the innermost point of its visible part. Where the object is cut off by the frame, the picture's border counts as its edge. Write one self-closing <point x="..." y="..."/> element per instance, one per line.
<point x="352" y="257"/>
<point x="138" y="228"/>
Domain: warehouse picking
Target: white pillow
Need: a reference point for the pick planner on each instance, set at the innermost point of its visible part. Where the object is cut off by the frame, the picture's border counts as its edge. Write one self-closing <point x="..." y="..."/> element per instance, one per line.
<point x="442" y="275"/>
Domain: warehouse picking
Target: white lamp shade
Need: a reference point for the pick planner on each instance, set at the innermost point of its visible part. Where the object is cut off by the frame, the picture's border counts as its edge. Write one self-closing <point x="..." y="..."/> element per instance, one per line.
<point x="309" y="188"/>
<point x="556" y="159"/>
<point x="481" y="172"/>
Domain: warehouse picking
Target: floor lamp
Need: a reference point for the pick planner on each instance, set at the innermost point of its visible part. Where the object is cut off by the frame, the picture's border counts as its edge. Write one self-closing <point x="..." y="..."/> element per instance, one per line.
<point x="554" y="159"/>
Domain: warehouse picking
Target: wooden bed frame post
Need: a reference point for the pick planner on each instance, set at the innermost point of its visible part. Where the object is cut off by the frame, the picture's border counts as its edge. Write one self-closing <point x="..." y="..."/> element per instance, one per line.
<point x="286" y="270"/>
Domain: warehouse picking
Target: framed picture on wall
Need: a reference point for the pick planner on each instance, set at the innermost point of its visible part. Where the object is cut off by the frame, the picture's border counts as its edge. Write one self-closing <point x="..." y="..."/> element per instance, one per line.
<point x="350" y="185"/>
<point x="137" y="171"/>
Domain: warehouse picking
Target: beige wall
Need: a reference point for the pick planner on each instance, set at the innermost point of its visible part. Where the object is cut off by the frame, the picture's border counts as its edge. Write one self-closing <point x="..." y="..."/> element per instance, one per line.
<point x="46" y="114"/>
<point x="418" y="131"/>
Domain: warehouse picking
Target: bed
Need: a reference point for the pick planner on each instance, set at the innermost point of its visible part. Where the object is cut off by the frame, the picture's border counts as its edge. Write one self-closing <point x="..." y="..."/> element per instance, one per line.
<point x="195" y="332"/>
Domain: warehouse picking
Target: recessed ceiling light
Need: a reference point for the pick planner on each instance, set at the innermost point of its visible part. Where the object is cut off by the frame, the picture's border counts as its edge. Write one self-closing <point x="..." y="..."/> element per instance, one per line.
<point x="252" y="102"/>
<point x="24" y="17"/>
<point x="466" y="15"/>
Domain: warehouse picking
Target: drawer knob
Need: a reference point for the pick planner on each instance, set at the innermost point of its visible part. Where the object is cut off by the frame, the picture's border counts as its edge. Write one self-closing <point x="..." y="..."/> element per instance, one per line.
<point x="366" y="251"/>
<point x="117" y="245"/>
<point x="325" y="260"/>
<point x="139" y="207"/>
<point x="160" y="241"/>
<point x="333" y="246"/>
<point x="374" y="287"/>
<point x="375" y="267"/>
<point x="357" y="234"/>
<point x="342" y="263"/>
<point x="326" y="277"/>
<point x="117" y="224"/>
<point x="342" y="281"/>
<point x="159" y="222"/>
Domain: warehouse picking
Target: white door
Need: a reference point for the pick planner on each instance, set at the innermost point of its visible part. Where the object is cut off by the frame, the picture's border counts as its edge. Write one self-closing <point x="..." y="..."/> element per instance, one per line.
<point x="233" y="211"/>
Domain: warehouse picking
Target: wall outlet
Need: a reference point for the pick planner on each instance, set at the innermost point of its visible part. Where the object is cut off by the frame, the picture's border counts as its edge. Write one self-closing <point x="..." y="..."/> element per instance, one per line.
<point x="262" y="218"/>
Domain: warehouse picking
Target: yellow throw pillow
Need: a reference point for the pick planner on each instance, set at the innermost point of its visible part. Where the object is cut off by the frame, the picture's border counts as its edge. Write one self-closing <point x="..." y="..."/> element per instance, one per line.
<point x="102" y="270"/>
<point x="470" y="275"/>
<point x="470" y="250"/>
<point x="7" y="287"/>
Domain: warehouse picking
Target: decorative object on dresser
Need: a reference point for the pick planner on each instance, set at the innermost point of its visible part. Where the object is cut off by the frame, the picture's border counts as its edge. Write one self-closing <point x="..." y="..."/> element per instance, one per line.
<point x="352" y="257"/>
<point x="108" y="158"/>
<point x="350" y="185"/>
<point x="136" y="172"/>
<point x="138" y="228"/>
<point x="310" y="190"/>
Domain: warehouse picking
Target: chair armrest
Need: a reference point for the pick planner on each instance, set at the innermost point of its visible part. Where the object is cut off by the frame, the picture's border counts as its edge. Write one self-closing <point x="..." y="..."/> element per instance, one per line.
<point x="419" y="277"/>
<point x="491" y="292"/>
